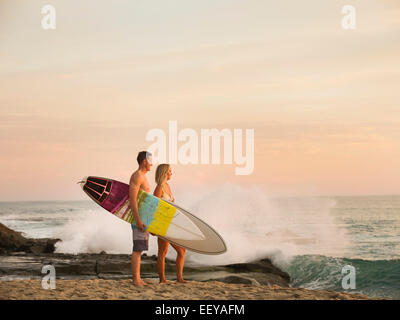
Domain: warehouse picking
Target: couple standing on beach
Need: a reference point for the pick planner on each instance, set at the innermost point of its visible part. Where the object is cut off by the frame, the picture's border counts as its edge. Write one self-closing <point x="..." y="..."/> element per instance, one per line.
<point x="140" y="235"/>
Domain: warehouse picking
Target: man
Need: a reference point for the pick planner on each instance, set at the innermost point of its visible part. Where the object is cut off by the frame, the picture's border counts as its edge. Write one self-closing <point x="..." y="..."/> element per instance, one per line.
<point x="140" y="235"/>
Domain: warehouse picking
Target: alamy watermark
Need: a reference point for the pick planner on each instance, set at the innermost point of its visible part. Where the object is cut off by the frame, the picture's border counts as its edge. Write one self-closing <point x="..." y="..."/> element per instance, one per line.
<point x="349" y="280"/>
<point x="349" y="20"/>
<point x="49" y="280"/>
<point x="48" y="21"/>
<point x="196" y="146"/>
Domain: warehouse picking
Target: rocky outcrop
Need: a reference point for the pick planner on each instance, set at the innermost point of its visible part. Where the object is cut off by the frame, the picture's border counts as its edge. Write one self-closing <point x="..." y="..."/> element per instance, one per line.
<point x="20" y="265"/>
<point x="12" y="241"/>
<point x="21" y="257"/>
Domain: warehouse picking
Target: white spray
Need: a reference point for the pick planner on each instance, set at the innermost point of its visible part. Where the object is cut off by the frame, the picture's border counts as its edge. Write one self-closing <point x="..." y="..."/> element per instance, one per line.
<point x="253" y="226"/>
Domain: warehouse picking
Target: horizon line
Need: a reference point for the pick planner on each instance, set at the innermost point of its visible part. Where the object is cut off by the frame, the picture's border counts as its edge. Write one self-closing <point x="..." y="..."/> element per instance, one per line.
<point x="292" y="196"/>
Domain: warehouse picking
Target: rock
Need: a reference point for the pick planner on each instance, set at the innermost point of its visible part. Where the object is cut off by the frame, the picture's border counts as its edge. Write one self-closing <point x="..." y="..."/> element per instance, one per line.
<point x="236" y="279"/>
<point x="261" y="272"/>
<point x="114" y="267"/>
<point x="12" y="241"/>
<point x="263" y="266"/>
<point x="50" y="245"/>
<point x="111" y="266"/>
<point x="23" y="257"/>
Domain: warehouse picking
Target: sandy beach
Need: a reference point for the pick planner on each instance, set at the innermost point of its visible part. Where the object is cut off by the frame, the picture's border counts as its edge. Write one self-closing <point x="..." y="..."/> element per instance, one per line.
<point x="99" y="289"/>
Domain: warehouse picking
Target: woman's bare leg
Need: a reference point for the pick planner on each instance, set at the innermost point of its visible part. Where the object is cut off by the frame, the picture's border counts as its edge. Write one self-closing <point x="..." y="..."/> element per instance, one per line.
<point x="180" y="260"/>
<point x="162" y="252"/>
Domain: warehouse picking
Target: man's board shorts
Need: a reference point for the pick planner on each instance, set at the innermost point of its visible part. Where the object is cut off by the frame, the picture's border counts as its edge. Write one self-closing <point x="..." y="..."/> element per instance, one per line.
<point x="140" y="239"/>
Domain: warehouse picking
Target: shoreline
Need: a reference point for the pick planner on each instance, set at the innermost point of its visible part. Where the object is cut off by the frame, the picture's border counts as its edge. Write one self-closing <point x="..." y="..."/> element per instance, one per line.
<point x="100" y="289"/>
<point x="108" y="276"/>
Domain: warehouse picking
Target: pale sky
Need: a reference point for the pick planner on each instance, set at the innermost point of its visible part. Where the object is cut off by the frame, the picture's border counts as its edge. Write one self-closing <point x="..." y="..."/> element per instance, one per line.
<point x="324" y="102"/>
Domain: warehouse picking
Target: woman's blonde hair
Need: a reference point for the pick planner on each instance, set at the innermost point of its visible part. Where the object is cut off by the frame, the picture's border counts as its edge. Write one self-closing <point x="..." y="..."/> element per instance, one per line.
<point x="161" y="173"/>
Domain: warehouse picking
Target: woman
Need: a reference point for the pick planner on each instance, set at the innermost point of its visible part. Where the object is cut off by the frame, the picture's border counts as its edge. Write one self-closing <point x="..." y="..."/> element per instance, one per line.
<point x="163" y="191"/>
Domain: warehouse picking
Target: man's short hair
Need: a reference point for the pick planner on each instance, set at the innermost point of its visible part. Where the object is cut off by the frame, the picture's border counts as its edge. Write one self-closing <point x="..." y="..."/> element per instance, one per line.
<point x="142" y="155"/>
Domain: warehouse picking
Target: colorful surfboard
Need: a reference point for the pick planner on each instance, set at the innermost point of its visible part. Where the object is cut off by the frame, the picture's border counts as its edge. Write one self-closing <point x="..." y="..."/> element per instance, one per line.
<point x="161" y="217"/>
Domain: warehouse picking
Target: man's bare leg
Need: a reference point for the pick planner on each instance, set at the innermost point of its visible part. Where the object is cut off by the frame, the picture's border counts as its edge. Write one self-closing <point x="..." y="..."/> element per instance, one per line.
<point x="135" y="261"/>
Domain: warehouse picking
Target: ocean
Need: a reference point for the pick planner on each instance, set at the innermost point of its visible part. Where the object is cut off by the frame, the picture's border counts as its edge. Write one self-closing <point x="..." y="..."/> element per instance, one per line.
<point x="312" y="238"/>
